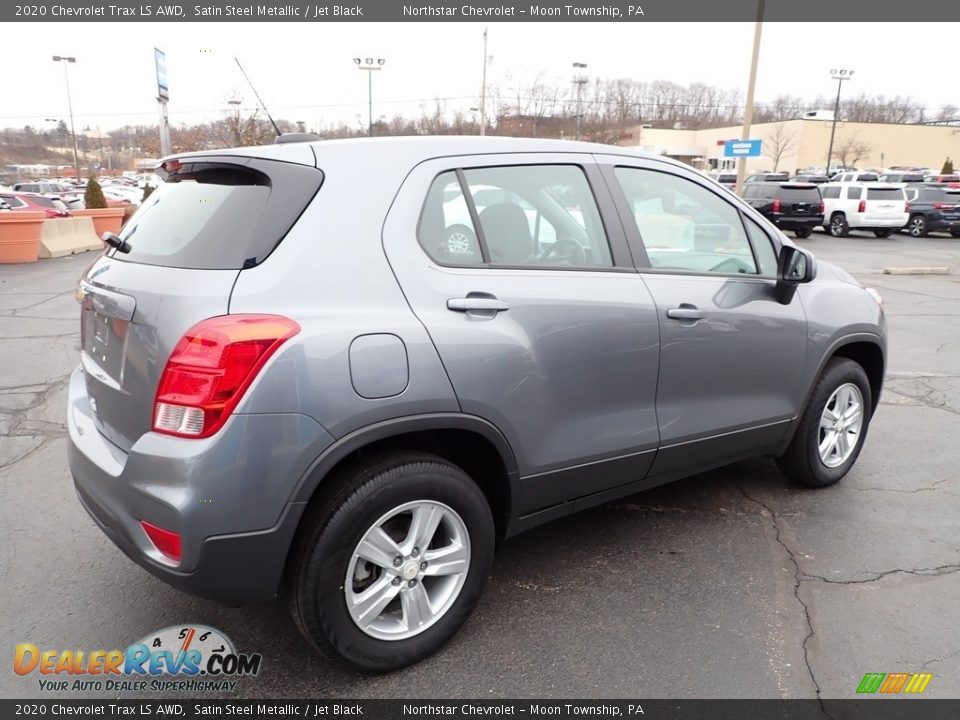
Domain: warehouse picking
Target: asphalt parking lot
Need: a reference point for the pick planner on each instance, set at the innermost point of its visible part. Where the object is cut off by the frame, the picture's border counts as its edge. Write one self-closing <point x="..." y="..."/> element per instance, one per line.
<point x="728" y="584"/>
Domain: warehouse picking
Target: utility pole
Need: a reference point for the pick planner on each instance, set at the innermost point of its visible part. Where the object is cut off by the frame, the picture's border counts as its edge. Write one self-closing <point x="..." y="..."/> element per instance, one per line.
<point x="579" y="80"/>
<point x="76" y="156"/>
<point x="839" y="75"/>
<point x="483" y="88"/>
<point x="748" y="109"/>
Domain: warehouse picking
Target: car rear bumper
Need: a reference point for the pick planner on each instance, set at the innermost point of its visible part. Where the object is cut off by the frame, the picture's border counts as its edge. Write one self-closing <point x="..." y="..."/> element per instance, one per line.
<point x="791" y="223"/>
<point x="944" y="224"/>
<point x="228" y="497"/>
<point x="880" y="222"/>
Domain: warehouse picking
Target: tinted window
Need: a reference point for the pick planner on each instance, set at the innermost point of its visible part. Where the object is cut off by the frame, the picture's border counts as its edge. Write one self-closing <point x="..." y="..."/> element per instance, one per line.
<point x="215" y="216"/>
<point x="884" y="194"/>
<point x="447" y="232"/>
<point x="831" y="193"/>
<point x="684" y="226"/>
<point x="853" y="193"/>
<point x="794" y="194"/>
<point x="868" y="177"/>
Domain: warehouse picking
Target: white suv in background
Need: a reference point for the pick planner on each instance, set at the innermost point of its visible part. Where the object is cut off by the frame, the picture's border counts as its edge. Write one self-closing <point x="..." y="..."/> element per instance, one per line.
<point x="879" y="207"/>
<point x="856" y="176"/>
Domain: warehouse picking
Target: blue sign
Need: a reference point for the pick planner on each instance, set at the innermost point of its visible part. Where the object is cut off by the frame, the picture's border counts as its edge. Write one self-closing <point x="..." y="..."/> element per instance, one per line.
<point x="163" y="90"/>
<point x="741" y="148"/>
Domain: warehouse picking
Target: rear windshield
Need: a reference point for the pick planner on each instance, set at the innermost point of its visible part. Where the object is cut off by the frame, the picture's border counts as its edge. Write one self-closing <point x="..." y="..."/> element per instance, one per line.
<point x="789" y="194"/>
<point x="211" y="215"/>
<point x="884" y="194"/>
<point x="867" y="177"/>
<point x="49" y="202"/>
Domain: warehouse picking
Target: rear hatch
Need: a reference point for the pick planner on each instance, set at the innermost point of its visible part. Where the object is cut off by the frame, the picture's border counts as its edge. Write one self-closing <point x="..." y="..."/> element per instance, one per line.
<point x="884" y="203"/>
<point x="949" y="206"/>
<point x="799" y="200"/>
<point x="212" y="217"/>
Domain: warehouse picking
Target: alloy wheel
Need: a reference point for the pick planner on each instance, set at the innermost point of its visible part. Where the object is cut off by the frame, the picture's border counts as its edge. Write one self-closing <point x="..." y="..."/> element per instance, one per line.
<point x="407" y="570"/>
<point x="840" y="425"/>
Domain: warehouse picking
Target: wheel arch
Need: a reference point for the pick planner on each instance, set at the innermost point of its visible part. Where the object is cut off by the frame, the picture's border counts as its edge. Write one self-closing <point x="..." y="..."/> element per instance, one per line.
<point x="470" y="442"/>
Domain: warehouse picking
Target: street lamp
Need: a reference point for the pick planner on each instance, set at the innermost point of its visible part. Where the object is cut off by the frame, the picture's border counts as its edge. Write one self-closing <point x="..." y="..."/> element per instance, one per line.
<point x="369" y="64"/>
<point x="579" y="81"/>
<point x="76" y="156"/>
<point x="838" y="74"/>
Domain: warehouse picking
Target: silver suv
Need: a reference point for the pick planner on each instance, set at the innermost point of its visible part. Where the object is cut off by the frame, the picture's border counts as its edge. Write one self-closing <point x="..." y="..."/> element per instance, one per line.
<point x="342" y="372"/>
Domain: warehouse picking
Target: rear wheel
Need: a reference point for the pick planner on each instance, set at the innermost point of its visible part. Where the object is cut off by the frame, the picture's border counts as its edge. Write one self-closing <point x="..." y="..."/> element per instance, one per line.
<point x="802" y="232"/>
<point x="388" y="569"/>
<point x="832" y="428"/>
<point x="839" y="226"/>
<point x="917" y="226"/>
<point x="885" y="233"/>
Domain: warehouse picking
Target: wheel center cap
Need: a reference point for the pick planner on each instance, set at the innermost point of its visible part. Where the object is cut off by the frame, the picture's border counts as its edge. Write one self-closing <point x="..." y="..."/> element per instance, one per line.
<point x="410" y="569"/>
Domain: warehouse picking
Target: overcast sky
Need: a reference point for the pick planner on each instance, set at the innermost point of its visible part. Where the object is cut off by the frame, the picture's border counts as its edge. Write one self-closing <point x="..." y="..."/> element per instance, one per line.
<point x="306" y="72"/>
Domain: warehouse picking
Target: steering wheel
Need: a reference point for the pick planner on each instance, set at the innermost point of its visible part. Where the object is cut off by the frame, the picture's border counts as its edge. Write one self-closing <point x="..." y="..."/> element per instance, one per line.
<point x="732" y="265"/>
<point x="564" y="250"/>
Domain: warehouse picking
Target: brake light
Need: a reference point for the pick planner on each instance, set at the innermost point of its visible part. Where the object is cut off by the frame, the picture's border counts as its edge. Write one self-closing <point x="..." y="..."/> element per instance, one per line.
<point x="862" y="208"/>
<point x="823" y="208"/>
<point x="210" y="369"/>
<point x="943" y="206"/>
<point x="166" y="541"/>
<point x="776" y="205"/>
<point x="906" y="207"/>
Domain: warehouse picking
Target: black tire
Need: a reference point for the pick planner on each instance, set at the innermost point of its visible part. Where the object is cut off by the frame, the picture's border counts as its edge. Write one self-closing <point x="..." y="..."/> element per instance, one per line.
<point x="917" y="226"/>
<point x="885" y="233"/>
<point x="802" y="232"/>
<point x="838" y="225"/>
<point x="801" y="462"/>
<point x="332" y="529"/>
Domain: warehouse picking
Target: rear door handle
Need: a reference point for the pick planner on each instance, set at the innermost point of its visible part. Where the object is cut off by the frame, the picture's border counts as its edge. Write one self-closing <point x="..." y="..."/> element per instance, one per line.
<point x="685" y="312"/>
<point x="488" y="305"/>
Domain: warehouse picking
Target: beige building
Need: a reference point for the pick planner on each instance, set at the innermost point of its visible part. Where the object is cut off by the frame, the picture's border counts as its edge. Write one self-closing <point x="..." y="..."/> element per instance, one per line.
<point x="795" y="144"/>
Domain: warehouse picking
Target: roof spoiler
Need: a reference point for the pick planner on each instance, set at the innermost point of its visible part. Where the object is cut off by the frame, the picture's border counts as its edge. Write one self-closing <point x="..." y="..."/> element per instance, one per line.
<point x="295" y="137"/>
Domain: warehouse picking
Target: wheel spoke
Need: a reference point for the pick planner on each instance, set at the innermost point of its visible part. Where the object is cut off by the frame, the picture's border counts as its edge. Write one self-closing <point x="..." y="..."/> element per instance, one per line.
<point x="450" y="560"/>
<point x="424" y="524"/>
<point x="379" y="548"/>
<point x="827" y="444"/>
<point x="851" y="413"/>
<point x="841" y="446"/>
<point x="416" y="607"/>
<point x="367" y="606"/>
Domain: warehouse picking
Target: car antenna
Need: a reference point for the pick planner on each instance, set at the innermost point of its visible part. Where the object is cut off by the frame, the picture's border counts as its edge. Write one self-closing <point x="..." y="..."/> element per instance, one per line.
<point x="259" y="99"/>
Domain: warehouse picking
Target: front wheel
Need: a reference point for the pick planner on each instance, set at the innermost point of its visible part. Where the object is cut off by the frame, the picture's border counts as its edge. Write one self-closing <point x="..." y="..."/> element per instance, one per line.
<point x="832" y="428"/>
<point x="802" y="232"/>
<point x="388" y="569"/>
<point x="885" y="233"/>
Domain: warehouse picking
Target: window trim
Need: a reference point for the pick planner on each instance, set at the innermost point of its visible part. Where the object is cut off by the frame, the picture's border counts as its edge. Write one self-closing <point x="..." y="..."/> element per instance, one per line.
<point x="458" y="168"/>
<point x="635" y="239"/>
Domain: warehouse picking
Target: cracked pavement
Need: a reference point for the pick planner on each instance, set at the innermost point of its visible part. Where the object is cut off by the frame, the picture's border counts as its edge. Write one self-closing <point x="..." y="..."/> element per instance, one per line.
<point x="728" y="584"/>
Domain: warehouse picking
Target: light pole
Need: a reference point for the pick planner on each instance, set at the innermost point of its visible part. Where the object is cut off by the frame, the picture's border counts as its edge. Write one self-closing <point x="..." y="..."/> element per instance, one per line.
<point x="76" y="156"/>
<point x="483" y="88"/>
<point x="751" y="85"/>
<point x="579" y="80"/>
<point x="369" y="65"/>
<point x="838" y="74"/>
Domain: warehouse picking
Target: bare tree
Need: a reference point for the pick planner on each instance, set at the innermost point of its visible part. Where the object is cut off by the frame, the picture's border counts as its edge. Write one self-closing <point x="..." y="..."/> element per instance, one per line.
<point x="851" y="149"/>
<point x="779" y="142"/>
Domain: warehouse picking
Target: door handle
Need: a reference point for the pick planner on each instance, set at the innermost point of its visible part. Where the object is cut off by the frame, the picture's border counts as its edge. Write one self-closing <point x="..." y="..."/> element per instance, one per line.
<point x="685" y="312"/>
<point x="477" y="304"/>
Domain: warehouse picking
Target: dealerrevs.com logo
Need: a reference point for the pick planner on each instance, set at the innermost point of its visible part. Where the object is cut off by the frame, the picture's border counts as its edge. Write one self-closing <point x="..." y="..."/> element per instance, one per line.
<point x="189" y="658"/>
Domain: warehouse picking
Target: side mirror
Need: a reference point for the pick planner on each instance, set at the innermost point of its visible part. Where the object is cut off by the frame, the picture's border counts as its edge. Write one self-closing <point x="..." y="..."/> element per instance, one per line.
<point x="794" y="266"/>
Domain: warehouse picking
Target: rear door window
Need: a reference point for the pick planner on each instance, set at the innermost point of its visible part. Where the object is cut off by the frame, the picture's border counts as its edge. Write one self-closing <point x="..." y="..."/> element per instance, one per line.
<point x="831" y="193"/>
<point x="210" y="215"/>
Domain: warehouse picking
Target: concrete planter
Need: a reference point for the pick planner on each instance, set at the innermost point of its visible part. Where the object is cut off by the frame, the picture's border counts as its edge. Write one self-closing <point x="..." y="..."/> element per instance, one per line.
<point x="20" y="236"/>
<point x="104" y="220"/>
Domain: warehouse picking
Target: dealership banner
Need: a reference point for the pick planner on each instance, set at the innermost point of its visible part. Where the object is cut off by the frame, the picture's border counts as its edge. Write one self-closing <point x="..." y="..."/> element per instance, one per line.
<point x="393" y="709"/>
<point x="321" y="11"/>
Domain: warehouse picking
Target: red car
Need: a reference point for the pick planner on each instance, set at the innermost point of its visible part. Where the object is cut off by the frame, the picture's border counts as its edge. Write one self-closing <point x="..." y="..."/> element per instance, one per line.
<point x="952" y="180"/>
<point x="53" y="208"/>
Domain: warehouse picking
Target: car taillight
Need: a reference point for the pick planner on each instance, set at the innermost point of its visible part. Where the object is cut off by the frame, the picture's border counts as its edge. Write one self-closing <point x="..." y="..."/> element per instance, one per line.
<point x="862" y="207"/>
<point x="823" y="208"/>
<point x="776" y="205"/>
<point x="943" y="206"/>
<point x="166" y="541"/>
<point x="210" y="369"/>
